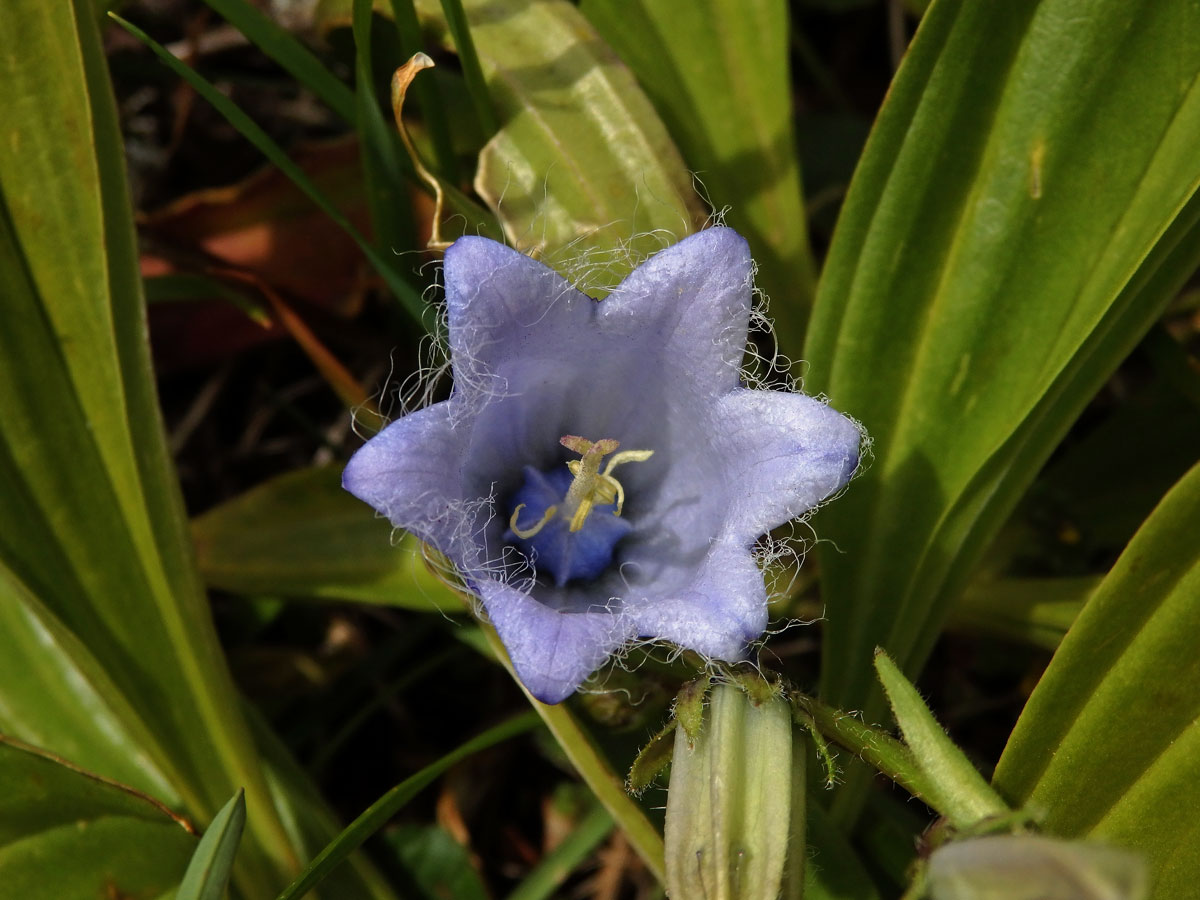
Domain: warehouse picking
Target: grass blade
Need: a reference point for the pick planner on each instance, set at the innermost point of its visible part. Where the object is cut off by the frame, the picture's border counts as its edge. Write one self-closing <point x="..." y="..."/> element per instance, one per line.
<point x="378" y="814"/>
<point x="207" y="874"/>
<point x="384" y="160"/>
<point x="460" y="32"/>
<point x="553" y="869"/>
<point x="408" y="296"/>
<point x="293" y="56"/>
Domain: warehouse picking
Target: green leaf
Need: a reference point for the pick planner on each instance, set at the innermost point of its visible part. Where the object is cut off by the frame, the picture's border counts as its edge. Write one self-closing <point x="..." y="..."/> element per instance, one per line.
<point x="962" y="795"/>
<point x="66" y="834"/>
<point x="208" y="872"/>
<point x="377" y="815"/>
<point x="1035" y="610"/>
<point x="439" y="864"/>
<point x="302" y="535"/>
<point x="733" y="122"/>
<point x="91" y="521"/>
<point x="54" y="693"/>
<point x="582" y="171"/>
<point x="1024" y="210"/>
<point x="1109" y="744"/>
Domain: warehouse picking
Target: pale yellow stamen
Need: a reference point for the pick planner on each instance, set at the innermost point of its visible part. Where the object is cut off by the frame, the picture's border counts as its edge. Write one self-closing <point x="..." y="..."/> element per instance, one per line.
<point x="591" y="486"/>
<point x="527" y="533"/>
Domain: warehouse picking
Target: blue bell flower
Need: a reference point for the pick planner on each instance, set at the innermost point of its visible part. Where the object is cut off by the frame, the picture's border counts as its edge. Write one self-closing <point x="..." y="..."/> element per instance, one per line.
<point x="600" y="472"/>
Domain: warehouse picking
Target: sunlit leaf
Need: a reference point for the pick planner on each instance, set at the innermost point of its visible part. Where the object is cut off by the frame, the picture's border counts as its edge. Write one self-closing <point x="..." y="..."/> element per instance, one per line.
<point x="54" y="693"/>
<point x="1024" y="210"/>
<point x="1108" y="746"/>
<point x="582" y="163"/>
<point x="92" y="521"/>
<point x="302" y="535"/>
<point x="733" y="122"/>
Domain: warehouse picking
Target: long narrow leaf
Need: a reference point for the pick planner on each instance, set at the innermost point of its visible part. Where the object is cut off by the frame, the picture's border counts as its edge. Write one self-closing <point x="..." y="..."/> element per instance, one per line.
<point x="1108" y="746"/>
<point x="464" y="42"/>
<point x="963" y="796"/>
<point x="1023" y="212"/>
<point x="384" y="159"/>
<point x="92" y="520"/>
<point x="582" y="171"/>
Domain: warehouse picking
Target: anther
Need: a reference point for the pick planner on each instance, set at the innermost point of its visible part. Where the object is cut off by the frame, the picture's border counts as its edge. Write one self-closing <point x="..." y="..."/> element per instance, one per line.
<point x="591" y="486"/>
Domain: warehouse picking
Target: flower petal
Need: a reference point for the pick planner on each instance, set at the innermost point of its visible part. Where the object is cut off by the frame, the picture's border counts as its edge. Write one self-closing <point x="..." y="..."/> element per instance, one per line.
<point x="691" y="302"/>
<point x="552" y="651"/>
<point x="718" y="614"/>
<point x="783" y="454"/>
<point x="502" y="305"/>
<point x="410" y="473"/>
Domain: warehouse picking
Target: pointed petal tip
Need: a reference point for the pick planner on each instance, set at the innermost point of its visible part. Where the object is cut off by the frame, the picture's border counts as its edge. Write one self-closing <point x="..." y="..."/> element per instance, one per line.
<point x="717" y="245"/>
<point x="549" y="692"/>
<point x="355" y="474"/>
<point x="553" y="652"/>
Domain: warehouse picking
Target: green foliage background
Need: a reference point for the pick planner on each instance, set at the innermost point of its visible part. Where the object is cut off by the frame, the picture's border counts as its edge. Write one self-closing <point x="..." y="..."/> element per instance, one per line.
<point x="1024" y="216"/>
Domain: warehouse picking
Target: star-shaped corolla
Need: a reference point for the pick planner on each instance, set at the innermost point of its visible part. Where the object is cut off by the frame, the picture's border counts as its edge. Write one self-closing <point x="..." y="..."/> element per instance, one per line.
<point x="600" y="473"/>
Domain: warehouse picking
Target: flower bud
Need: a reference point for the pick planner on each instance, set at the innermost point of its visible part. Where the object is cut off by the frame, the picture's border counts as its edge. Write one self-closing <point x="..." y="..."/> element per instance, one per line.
<point x="1009" y="867"/>
<point x="729" y="802"/>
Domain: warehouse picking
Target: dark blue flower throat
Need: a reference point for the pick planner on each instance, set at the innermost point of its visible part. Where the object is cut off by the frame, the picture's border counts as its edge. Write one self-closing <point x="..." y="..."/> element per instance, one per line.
<point x="568" y="519"/>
